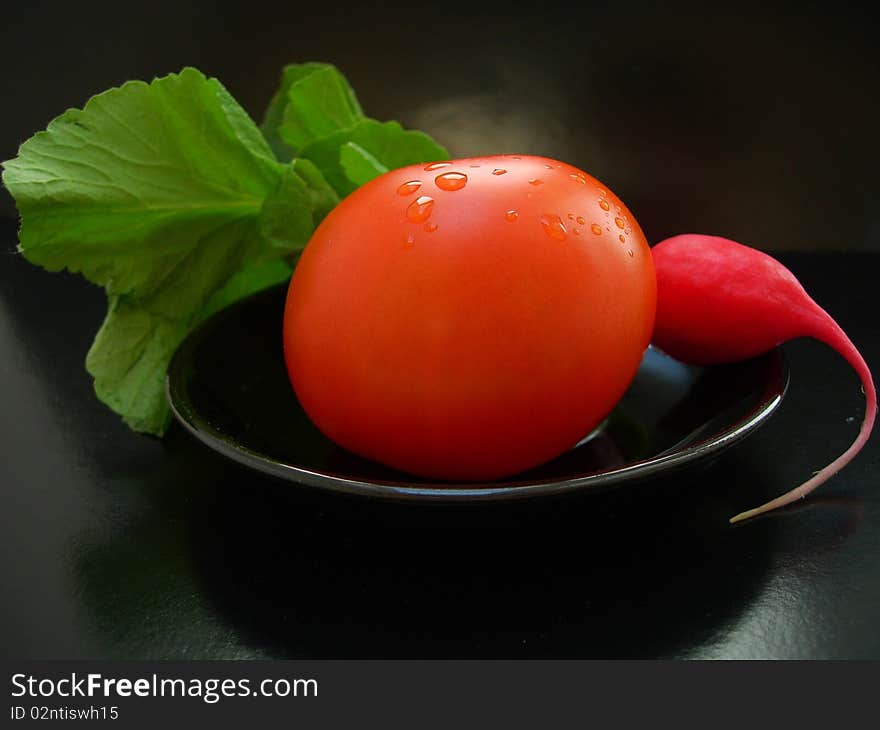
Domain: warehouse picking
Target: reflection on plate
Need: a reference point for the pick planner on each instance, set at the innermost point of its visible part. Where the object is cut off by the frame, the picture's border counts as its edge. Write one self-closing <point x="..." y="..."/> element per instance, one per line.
<point x="228" y="386"/>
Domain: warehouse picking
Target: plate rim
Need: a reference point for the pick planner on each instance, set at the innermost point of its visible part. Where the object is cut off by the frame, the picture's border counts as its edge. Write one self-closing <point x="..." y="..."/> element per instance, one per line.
<point x="599" y="480"/>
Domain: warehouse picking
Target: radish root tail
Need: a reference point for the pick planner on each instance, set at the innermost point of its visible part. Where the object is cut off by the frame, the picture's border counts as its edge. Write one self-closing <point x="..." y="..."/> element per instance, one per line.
<point x="828" y="332"/>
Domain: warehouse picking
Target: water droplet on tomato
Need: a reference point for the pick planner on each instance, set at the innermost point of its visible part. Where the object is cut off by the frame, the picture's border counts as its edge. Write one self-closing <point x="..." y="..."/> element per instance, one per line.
<point x="516" y="158"/>
<point x="581" y="220"/>
<point x="499" y="171"/>
<point x="578" y="178"/>
<point x="618" y="221"/>
<point x="596" y="228"/>
<point x="602" y="193"/>
<point x="630" y="252"/>
<point x="473" y="165"/>
<point x="536" y="181"/>
<point x="622" y="238"/>
<point x="549" y="167"/>
<point x="553" y="226"/>
<point x="576" y="232"/>
<point x="451" y="181"/>
<point x="430" y="227"/>
<point x="408" y="188"/>
<point x="603" y="204"/>
<point x="410" y="241"/>
<point x="436" y="166"/>
<point x="420" y="209"/>
<point x="571" y="216"/>
<point x="511" y="215"/>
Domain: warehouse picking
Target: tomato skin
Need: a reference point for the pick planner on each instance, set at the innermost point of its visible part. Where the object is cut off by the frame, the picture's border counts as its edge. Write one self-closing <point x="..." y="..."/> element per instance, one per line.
<point x="483" y="339"/>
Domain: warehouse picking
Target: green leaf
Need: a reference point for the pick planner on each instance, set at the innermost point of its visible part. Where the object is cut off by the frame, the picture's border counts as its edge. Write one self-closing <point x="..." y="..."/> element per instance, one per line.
<point x="246" y="282"/>
<point x="359" y="165"/>
<point x="124" y="190"/>
<point x="386" y="142"/>
<point x="301" y="188"/>
<point x="277" y="225"/>
<point x="324" y="197"/>
<point x="245" y="129"/>
<point x="134" y="346"/>
<point x="161" y="193"/>
<point x="274" y="115"/>
<point x="319" y="103"/>
<point x="128" y="360"/>
<point x="316" y="116"/>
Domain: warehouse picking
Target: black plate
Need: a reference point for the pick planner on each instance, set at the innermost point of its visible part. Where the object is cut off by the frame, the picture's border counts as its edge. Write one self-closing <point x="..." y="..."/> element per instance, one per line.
<point x="228" y="386"/>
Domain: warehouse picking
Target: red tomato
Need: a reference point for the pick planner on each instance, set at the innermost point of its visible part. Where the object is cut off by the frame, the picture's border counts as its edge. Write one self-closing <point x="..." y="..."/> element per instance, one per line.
<point x="471" y="319"/>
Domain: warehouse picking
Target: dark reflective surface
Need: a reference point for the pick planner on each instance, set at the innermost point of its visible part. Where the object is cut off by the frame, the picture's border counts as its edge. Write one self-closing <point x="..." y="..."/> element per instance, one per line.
<point x="754" y="123"/>
<point x="227" y="384"/>
<point x="118" y="545"/>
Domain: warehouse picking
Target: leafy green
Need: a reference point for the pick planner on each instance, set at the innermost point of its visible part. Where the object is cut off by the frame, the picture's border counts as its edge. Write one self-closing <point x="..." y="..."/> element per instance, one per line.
<point x="171" y="198"/>
<point x="324" y="197"/>
<point x="277" y="226"/>
<point x="387" y="143"/>
<point x="160" y="193"/>
<point x="322" y="121"/>
<point x="130" y="190"/>
<point x="359" y="165"/>
<point x="128" y="360"/>
<point x="274" y="115"/>
<point x="318" y="104"/>
<point x="250" y="280"/>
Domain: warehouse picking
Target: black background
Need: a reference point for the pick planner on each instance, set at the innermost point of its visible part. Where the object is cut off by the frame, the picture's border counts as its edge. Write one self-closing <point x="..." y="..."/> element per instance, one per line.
<point x="754" y="124"/>
<point x="744" y="121"/>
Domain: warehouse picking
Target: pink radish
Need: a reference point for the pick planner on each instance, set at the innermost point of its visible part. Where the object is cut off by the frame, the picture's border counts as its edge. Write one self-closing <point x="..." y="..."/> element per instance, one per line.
<point x="719" y="301"/>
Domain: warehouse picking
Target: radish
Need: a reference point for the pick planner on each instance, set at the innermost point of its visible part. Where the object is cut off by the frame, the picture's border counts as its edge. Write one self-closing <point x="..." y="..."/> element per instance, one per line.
<point x="719" y="301"/>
